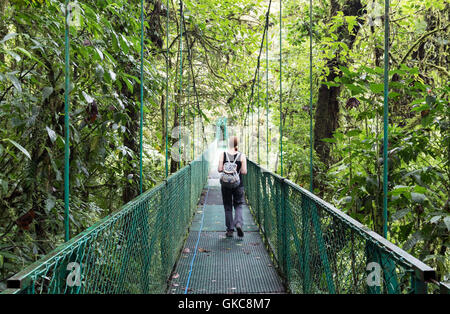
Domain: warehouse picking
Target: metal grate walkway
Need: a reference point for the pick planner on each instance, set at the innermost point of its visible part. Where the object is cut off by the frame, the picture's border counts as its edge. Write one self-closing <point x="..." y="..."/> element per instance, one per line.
<point x="220" y="264"/>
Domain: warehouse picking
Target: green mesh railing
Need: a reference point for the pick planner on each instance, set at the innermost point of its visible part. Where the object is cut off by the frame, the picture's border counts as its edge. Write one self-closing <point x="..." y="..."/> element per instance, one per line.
<point x="130" y="251"/>
<point x="319" y="249"/>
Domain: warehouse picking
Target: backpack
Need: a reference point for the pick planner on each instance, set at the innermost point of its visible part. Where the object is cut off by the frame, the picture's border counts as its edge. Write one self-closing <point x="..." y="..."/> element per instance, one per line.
<point x="230" y="177"/>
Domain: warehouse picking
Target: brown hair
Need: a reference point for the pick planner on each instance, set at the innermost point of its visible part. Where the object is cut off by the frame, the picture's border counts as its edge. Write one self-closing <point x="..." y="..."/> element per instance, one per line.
<point x="234" y="142"/>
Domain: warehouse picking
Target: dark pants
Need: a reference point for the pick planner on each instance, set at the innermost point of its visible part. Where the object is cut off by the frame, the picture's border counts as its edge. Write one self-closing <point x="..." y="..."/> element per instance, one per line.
<point x="233" y="197"/>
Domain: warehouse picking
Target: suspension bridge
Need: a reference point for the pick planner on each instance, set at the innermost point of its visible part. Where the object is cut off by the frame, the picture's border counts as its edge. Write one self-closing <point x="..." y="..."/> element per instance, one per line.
<point x="171" y="239"/>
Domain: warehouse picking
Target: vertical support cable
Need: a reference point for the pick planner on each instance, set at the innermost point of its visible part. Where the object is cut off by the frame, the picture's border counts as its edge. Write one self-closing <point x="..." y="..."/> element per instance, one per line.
<point x="258" y="116"/>
<point x="385" y="115"/>
<point x="142" y="99"/>
<point x="190" y="108"/>
<point x="281" y="94"/>
<point x="193" y="133"/>
<point x="226" y="131"/>
<point x="311" y="174"/>
<point x="191" y="74"/>
<point x="181" y="83"/>
<point x="66" y="124"/>
<point x="251" y="128"/>
<point x="246" y="131"/>
<point x="267" y="92"/>
<point x="167" y="91"/>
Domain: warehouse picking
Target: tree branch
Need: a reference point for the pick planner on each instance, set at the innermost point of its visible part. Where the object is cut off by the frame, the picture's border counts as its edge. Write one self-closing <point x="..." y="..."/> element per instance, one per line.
<point x="419" y="40"/>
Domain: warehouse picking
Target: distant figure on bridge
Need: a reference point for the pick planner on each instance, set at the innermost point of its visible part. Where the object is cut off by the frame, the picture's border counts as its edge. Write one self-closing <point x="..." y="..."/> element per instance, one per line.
<point x="232" y="165"/>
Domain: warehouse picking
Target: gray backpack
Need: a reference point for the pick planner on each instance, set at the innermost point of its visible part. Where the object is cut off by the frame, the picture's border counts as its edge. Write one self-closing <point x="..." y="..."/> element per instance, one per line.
<point x="230" y="177"/>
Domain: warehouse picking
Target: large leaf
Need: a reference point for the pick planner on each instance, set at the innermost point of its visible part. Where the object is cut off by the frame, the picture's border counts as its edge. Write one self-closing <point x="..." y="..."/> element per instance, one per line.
<point x="447" y="222"/>
<point x="87" y="97"/>
<point x="399" y="189"/>
<point x="377" y="88"/>
<point x="413" y="240"/>
<point x="15" y="81"/>
<point x="418" y="197"/>
<point x="51" y="134"/>
<point x="49" y="204"/>
<point x="20" y="147"/>
<point x="400" y="214"/>
<point x="8" y="37"/>
<point x="46" y="92"/>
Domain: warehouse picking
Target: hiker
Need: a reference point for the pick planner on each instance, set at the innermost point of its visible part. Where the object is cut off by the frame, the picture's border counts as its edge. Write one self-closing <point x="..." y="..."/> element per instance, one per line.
<point x="232" y="165"/>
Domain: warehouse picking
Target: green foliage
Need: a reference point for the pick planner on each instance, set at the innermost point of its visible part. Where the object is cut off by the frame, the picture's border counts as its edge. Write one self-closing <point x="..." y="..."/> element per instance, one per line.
<point x="419" y="118"/>
<point x="221" y="43"/>
<point x="104" y="100"/>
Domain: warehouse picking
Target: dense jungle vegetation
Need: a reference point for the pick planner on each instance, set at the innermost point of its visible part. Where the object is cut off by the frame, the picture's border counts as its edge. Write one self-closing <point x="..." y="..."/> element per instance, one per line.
<point x="219" y="52"/>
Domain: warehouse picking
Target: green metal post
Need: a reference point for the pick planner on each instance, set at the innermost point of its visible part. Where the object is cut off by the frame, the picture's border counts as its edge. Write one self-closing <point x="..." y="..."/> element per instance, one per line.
<point x="142" y="99"/>
<point x="267" y="93"/>
<point x="226" y="131"/>
<point x="372" y="255"/>
<point x="181" y="82"/>
<point x="193" y="138"/>
<point x="189" y="104"/>
<point x="279" y="222"/>
<point x="146" y="253"/>
<point x="259" y="162"/>
<point x="322" y="248"/>
<point x="420" y="287"/>
<point x="167" y="92"/>
<point x="285" y="229"/>
<point x="281" y="94"/>
<point x="311" y="173"/>
<point x="306" y="241"/>
<point x="251" y="128"/>
<point x="385" y="115"/>
<point x="246" y="130"/>
<point x="266" y="205"/>
<point x="66" y="125"/>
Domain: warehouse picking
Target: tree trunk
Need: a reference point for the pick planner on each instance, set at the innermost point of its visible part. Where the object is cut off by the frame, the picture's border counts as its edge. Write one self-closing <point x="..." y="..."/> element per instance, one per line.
<point x="326" y="115"/>
<point x="327" y="110"/>
<point x="131" y="140"/>
<point x="173" y="163"/>
<point x="3" y="26"/>
<point x="163" y="123"/>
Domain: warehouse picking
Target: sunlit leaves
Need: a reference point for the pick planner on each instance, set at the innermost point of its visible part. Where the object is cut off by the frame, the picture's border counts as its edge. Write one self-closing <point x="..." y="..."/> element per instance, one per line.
<point x="52" y="134"/>
<point x="19" y="147"/>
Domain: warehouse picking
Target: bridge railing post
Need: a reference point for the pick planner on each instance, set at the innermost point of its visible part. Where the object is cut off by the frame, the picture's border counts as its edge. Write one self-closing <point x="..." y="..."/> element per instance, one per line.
<point x="282" y="238"/>
<point x="146" y="252"/>
<point x="419" y="286"/>
<point x="165" y="242"/>
<point x="285" y="230"/>
<point x="257" y="182"/>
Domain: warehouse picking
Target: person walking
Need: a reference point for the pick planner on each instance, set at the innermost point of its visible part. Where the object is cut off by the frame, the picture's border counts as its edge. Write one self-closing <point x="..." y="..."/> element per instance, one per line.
<point x="232" y="166"/>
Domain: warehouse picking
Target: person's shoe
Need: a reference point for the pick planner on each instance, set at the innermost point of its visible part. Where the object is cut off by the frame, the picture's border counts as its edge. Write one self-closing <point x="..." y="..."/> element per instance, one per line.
<point x="239" y="231"/>
<point x="229" y="234"/>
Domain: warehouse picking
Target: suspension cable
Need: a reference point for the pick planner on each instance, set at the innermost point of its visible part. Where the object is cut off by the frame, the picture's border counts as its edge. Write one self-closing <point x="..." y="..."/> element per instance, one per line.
<point x="281" y="94"/>
<point x="252" y="125"/>
<point x="66" y="124"/>
<point x="266" y="27"/>
<point x="142" y="99"/>
<point x="194" y="85"/>
<point x="258" y="118"/>
<point x="386" y="115"/>
<point x="167" y="92"/>
<point x="267" y="97"/>
<point x="311" y="174"/>
<point x="180" y="89"/>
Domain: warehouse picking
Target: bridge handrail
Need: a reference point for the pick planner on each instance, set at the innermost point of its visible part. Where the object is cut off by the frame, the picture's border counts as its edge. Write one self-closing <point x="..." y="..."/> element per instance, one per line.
<point x="422" y="273"/>
<point x="185" y="198"/>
